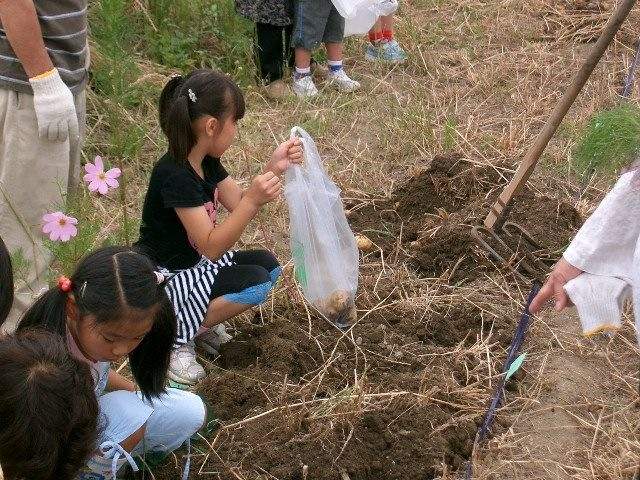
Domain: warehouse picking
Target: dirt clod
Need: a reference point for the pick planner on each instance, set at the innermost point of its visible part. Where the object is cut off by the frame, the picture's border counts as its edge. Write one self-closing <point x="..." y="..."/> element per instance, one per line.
<point x="428" y="219"/>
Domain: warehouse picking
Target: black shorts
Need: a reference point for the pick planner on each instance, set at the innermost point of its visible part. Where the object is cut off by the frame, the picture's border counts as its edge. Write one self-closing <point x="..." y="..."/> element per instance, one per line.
<point x="243" y="277"/>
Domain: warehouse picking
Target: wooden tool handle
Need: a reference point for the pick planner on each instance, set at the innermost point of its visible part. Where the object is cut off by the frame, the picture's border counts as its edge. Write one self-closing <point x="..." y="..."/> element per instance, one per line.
<point x="525" y="169"/>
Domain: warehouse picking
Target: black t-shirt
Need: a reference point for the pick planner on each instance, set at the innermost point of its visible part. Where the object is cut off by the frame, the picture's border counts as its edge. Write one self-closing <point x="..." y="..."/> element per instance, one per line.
<point x="174" y="185"/>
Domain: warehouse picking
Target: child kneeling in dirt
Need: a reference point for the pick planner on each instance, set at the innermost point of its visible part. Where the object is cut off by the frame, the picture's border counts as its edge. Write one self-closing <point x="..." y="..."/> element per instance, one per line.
<point x="317" y="21"/>
<point x="209" y="282"/>
<point x="114" y="305"/>
<point x="54" y="441"/>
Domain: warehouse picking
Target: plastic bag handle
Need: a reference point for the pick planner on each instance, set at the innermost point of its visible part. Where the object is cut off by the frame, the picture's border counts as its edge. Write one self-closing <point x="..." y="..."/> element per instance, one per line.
<point x="311" y="162"/>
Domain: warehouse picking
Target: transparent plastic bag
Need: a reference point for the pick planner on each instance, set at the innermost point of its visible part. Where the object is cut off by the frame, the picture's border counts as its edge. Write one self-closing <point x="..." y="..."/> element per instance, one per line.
<point x="348" y="8"/>
<point x="323" y="246"/>
<point x="366" y="15"/>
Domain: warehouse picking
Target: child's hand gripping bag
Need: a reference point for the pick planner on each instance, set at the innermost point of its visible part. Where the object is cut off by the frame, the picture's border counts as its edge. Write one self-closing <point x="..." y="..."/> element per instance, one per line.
<point x="323" y="246"/>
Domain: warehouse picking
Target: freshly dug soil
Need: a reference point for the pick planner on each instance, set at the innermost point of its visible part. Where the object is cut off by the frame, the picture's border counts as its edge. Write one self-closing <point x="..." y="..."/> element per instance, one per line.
<point x="428" y="219"/>
<point x="402" y="394"/>
<point x="401" y="398"/>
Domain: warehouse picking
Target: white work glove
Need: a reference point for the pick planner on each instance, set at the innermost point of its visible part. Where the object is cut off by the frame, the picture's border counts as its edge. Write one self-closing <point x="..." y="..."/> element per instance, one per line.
<point x="55" y="108"/>
<point x="599" y="301"/>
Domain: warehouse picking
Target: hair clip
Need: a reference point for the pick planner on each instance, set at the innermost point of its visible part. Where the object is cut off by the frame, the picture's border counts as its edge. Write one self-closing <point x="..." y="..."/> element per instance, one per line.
<point x="64" y="284"/>
<point x="159" y="278"/>
<point x="192" y="95"/>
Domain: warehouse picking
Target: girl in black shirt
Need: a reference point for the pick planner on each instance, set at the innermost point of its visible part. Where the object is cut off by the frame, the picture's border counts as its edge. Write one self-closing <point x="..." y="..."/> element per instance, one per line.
<point x="209" y="282"/>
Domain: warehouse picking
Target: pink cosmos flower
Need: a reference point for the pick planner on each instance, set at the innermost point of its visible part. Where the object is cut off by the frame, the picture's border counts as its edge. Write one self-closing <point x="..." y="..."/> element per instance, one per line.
<point x="98" y="179"/>
<point x="59" y="226"/>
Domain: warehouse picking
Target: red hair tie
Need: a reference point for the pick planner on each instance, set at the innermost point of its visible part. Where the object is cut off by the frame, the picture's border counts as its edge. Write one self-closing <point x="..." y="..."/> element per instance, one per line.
<point x="64" y="284"/>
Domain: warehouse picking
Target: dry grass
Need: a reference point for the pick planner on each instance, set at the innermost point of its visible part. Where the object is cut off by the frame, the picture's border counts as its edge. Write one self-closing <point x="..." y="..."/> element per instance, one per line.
<point x="481" y="80"/>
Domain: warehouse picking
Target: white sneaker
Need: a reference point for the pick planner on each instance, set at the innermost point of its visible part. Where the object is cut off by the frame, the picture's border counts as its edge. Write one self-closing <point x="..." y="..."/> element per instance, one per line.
<point x="342" y="82"/>
<point x="304" y="86"/>
<point x="211" y="340"/>
<point x="183" y="367"/>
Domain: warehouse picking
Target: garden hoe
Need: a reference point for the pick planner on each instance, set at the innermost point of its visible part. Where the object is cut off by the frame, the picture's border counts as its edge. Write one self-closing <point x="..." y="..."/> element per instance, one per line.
<point x="507" y="242"/>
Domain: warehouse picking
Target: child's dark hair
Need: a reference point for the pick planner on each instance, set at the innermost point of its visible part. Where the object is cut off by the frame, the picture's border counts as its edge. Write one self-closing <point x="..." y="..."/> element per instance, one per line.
<point x="185" y="99"/>
<point x="110" y="284"/>
<point x="6" y="282"/>
<point x="48" y="406"/>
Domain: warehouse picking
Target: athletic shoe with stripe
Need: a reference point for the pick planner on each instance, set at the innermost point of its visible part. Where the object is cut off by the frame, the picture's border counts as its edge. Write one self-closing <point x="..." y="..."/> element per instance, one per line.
<point x="183" y="366"/>
<point x="211" y="340"/>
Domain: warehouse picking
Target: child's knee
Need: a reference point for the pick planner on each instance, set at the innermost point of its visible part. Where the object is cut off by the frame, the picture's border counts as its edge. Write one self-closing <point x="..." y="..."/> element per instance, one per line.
<point x="275" y="274"/>
<point x="253" y="295"/>
<point x="192" y="412"/>
<point x="270" y="263"/>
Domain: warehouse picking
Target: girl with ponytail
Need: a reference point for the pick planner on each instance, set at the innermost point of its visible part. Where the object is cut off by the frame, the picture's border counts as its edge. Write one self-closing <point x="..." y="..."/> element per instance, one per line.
<point x="114" y="306"/>
<point x="48" y="408"/>
<point x="208" y="281"/>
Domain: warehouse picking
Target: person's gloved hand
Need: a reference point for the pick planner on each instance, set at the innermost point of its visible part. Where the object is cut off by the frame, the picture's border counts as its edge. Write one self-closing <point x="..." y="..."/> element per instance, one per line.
<point x="599" y="300"/>
<point x="54" y="106"/>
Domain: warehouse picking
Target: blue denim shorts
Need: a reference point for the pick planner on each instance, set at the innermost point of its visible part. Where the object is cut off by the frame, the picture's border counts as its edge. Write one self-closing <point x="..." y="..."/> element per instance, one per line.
<point x="315" y="22"/>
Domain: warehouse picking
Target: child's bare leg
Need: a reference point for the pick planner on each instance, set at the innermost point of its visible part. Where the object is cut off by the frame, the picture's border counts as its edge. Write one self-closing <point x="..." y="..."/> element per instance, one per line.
<point x="383" y="45"/>
<point x="302" y="58"/>
<point x="221" y="310"/>
<point x="334" y="51"/>
<point x="130" y="443"/>
<point x="386" y="22"/>
<point x="337" y="75"/>
<point x="303" y="85"/>
<point x="376" y="30"/>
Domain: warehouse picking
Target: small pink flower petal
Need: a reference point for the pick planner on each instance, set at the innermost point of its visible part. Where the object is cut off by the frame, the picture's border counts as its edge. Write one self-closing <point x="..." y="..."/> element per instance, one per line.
<point x="67" y="232"/>
<point x="98" y="163"/>
<point x="89" y="177"/>
<point x="112" y="182"/>
<point x="52" y="217"/>
<point x="113" y="173"/>
<point x="94" y="185"/>
<point x="59" y="226"/>
<point x="90" y="168"/>
<point x="103" y="188"/>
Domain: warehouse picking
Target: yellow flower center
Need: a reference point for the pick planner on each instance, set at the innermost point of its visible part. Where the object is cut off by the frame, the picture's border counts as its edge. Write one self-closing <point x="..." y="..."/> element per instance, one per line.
<point x="62" y="222"/>
<point x="102" y="176"/>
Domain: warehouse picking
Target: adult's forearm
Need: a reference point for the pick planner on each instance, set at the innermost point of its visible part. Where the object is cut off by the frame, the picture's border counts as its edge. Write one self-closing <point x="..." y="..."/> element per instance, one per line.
<point x="20" y="23"/>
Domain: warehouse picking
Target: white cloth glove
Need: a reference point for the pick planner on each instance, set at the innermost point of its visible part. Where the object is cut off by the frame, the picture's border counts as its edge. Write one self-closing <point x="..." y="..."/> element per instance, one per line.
<point x="599" y="300"/>
<point x="55" y="108"/>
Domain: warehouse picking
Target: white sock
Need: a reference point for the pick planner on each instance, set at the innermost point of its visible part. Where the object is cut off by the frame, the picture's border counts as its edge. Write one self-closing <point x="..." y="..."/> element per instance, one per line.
<point x="334" y="65"/>
<point x="302" y="72"/>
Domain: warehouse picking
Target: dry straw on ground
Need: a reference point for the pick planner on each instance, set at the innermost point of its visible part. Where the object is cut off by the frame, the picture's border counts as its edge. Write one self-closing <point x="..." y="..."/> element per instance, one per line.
<point x="400" y="394"/>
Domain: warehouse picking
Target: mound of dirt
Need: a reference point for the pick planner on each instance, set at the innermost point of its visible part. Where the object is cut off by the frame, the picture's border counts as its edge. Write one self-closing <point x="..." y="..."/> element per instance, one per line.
<point x="305" y="417"/>
<point x="401" y="395"/>
<point x="429" y="218"/>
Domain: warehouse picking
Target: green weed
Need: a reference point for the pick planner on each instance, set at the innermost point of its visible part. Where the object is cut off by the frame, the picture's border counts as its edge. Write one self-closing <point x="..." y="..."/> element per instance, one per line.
<point x="610" y="141"/>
